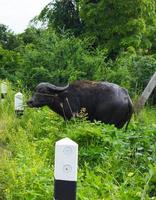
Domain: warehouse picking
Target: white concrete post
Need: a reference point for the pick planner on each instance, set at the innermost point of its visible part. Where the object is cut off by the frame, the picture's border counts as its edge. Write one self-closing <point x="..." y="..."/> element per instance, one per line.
<point x="18" y="104"/>
<point x="3" y="89"/>
<point x="65" y="172"/>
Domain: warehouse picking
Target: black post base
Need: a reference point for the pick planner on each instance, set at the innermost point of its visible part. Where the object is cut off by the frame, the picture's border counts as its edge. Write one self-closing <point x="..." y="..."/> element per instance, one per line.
<point x="19" y="113"/>
<point x="64" y="190"/>
<point x="3" y="95"/>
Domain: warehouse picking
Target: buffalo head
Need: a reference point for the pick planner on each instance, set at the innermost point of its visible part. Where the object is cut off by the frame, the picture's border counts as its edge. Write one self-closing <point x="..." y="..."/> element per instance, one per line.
<point x="44" y="94"/>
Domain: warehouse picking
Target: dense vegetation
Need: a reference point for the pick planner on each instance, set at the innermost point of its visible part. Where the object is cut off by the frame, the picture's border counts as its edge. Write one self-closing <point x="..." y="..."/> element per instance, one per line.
<point x="113" y="164"/>
<point x="72" y="40"/>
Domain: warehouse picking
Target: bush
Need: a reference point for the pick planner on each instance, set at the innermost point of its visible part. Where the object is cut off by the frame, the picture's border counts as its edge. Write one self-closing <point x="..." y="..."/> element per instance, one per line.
<point x="57" y="59"/>
<point x="143" y="67"/>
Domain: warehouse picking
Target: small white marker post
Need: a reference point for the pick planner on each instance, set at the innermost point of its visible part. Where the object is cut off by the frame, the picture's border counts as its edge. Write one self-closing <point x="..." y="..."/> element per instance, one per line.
<point x="3" y="90"/>
<point x="19" y="109"/>
<point x="65" y="172"/>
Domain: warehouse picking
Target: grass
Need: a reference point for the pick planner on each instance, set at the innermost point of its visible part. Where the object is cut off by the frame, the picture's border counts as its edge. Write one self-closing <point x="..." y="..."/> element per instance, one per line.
<point x="113" y="164"/>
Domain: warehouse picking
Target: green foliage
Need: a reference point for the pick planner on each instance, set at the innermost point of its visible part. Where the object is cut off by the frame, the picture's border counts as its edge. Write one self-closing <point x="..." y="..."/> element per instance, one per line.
<point x="142" y="70"/>
<point x="30" y="36"/>
<point x="57" y="60"/>
<point x="62" y="16"/>
<point x="117" y="25"/>
<point x="7" y="39"/>
<point x="9" y="64"/>
<point x="143" y="66"/>
<point x="119" y="71"/>
<point x="113" y="164"/>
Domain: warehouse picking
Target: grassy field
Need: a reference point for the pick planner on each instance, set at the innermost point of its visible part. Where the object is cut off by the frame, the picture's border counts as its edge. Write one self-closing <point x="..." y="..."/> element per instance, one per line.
<point x="113" y="164"/>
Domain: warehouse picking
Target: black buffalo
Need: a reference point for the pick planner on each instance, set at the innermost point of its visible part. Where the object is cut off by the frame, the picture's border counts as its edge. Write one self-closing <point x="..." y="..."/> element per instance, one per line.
<point x="103" y="101"/>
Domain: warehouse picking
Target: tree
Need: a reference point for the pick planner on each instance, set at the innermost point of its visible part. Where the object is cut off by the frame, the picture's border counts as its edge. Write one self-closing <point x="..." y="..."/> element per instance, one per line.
<point x="120" y="24"/>
<point x="7" y="39"/>
<point x="62" y="15"/>
<point x="57" y="59"/>
<point x="30" y="35"/>
<point x="9" y="64"/>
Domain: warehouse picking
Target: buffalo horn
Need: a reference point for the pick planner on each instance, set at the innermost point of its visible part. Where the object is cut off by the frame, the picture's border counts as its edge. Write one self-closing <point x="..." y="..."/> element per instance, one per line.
<point x="59" y="88"/>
